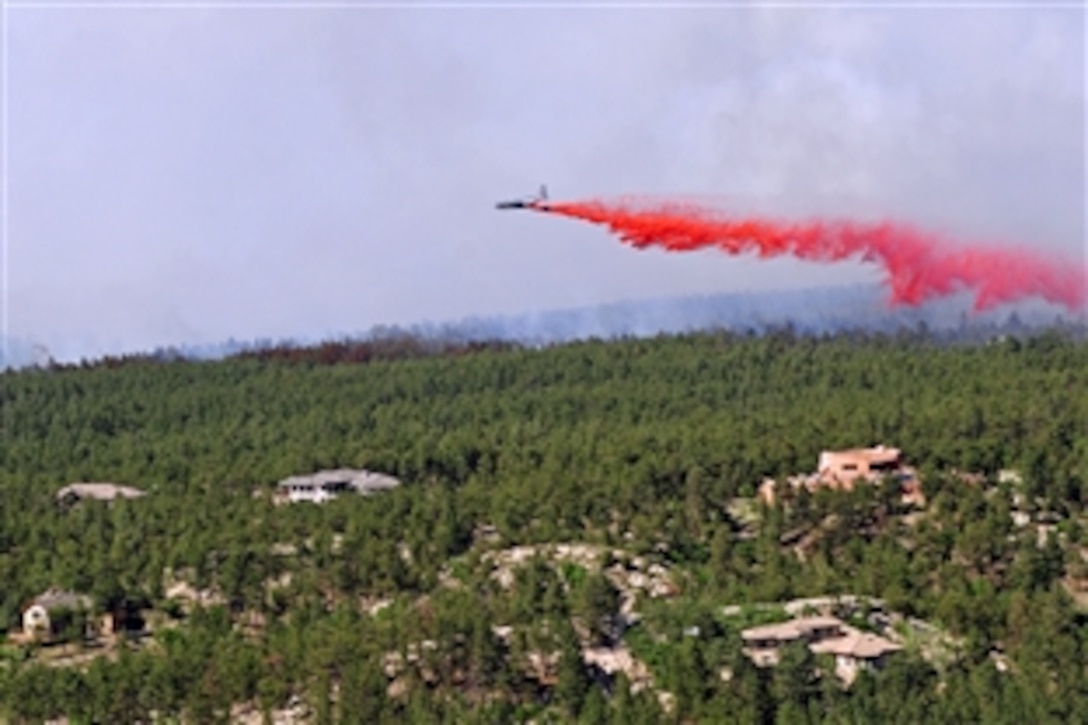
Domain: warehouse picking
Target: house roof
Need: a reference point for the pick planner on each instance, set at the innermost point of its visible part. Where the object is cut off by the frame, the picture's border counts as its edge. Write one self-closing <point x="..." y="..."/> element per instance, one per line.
<point x="780" y="631"/>
<point x="362" y="481"/>
<point x="793" y="629"/>
<point x="59" y="599"/>
<point x="99" y="491"/>
<point x="877" y="454"/>
<point x="860" y="645"/>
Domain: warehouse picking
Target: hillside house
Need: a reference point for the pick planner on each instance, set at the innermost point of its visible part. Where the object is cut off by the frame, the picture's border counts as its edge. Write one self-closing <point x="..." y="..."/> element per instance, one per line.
<point x="864" y="463"/>
<point x="52" y="612"/>
<point x="842" y="470"/>
<point x="852" y="649"/>
<point x="856" y="651"/>
<point x="75" y="492"/>
<point x="762" y="644"/>
<point x="327" y="485"/>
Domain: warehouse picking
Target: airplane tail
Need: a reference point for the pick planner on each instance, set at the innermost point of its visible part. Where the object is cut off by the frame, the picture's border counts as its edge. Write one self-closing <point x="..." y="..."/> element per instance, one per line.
<point x="543" y="191"/>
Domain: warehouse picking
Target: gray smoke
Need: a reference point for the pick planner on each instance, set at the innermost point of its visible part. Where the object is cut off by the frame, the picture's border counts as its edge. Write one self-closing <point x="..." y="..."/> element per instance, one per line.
<point x="182" y="176"/>
<point x="804" y="312"/>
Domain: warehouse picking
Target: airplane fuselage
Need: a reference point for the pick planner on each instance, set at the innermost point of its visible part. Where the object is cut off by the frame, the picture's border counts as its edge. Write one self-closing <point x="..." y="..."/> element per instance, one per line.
<point x="537" y="202"/>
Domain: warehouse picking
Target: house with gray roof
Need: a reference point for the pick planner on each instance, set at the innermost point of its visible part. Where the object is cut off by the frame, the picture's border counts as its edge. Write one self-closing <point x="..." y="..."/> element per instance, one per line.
<point x="52" y="611"/>
<point x="75" y="492"/>
<point x="326" y="485"/>
<point x="852" y="649"/>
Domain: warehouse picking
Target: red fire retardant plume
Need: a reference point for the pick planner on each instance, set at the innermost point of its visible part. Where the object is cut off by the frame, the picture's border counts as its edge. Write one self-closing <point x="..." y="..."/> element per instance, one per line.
<point x="919" y="265"/>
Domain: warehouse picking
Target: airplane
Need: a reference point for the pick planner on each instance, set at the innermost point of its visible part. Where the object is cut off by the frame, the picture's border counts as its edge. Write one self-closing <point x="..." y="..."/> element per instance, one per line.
<point x="529" y="203"/>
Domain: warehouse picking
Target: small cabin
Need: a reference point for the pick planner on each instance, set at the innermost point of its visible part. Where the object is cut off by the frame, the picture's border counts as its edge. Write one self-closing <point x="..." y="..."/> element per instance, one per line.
<point x="53" y="613"/>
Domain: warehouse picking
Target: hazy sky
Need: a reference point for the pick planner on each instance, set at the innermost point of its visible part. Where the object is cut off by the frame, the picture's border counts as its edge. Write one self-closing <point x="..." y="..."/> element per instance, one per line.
<point x="183" y="175"/>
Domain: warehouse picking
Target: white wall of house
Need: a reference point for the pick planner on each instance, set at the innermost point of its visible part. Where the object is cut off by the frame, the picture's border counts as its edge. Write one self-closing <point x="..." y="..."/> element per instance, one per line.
<point x="846" y="667"/>
<point x="35" y="619"/>
<point x="314" y="494"/>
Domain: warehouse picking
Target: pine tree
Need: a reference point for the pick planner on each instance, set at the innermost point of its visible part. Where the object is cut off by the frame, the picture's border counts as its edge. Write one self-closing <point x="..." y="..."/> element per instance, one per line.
<point x="573" y="681"/>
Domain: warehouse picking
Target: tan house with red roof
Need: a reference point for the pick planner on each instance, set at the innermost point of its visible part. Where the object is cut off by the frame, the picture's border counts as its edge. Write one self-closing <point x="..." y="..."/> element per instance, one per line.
<point x="841" y="470"/>
<point x="848" y="466"/>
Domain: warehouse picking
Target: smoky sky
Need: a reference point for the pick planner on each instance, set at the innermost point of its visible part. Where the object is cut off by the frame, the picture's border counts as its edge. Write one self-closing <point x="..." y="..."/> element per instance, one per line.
<point x="184" y="175"/>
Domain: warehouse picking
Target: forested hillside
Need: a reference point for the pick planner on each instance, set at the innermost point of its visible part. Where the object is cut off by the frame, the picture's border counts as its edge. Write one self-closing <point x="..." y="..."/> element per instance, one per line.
<point x="645" y="447"/>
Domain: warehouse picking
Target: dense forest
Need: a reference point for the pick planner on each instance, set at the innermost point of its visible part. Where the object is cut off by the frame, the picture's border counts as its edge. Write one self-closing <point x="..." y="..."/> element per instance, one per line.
<point x="387" y="608"/>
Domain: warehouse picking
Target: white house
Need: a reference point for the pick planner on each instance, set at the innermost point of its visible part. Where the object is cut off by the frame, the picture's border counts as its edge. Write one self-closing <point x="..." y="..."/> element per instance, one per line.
<point x="326" y="485"/>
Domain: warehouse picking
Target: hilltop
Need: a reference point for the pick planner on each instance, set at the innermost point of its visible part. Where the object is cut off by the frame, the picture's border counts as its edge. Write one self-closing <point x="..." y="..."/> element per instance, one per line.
<point x="862" y="309"/>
